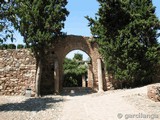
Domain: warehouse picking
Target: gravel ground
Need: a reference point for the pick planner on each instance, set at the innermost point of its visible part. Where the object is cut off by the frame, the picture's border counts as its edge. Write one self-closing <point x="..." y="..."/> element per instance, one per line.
<point x="139" y="99"/>
<point x="110" y="105"/>
<point x="23" y="108"/>
<point x="141" y="102"/>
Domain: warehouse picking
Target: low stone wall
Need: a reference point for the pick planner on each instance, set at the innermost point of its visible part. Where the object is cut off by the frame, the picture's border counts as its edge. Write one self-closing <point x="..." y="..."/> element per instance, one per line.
<point x="17" y="72"/>
<point x="153" y="92"/>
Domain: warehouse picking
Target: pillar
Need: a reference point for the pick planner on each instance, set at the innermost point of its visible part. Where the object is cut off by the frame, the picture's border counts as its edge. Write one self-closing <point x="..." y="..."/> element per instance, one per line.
<point x="90" y="76"/>
<point x="56" y="77"/>
<point x="83" y="81"/>
<point x="100" y="80"/>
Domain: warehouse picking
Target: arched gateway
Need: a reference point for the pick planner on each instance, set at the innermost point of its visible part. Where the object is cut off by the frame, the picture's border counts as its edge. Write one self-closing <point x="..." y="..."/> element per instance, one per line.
<point x="96" y="71"/>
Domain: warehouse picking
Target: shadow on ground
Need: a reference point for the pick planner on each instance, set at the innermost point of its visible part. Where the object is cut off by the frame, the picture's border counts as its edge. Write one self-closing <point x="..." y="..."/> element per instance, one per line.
<point x="76" y="91"/>
<point x="31" y="104"/>
<point x="75" y="94"/>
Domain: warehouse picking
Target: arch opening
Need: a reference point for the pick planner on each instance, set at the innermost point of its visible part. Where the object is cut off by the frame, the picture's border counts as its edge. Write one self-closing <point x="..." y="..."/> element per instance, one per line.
<point x="53" y="72"/>
<point x="75" y="69"/>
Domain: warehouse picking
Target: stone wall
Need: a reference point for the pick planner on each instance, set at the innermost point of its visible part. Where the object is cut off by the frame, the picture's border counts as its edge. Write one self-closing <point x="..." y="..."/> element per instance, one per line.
<point x="18" y="67"/>
<point x="72" y="42"/>
<point x="17" y="72"/>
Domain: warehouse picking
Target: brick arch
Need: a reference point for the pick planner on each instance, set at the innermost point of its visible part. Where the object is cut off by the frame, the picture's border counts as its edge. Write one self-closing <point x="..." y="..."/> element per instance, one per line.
<point x="72" y="42"/>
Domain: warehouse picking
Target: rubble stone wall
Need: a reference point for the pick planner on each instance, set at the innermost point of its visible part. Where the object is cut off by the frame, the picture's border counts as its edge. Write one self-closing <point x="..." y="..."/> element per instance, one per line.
<point x="17" y="72"/>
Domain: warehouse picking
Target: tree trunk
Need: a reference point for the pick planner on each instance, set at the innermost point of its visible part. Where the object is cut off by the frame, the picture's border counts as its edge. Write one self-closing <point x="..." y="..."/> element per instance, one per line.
<point x="38" y="77"/>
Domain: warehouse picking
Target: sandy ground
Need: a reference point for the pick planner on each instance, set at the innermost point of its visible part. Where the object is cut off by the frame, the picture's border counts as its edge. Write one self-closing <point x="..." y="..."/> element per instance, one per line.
<point x="130" y="104"/>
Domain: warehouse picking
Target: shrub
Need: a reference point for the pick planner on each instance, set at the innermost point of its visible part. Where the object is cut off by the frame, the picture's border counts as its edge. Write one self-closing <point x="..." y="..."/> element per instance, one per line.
<point x="27" y="46"/>
<point x="20" y="46"/>
<point x="3" y="46"/>
<point x="11" y="46"/>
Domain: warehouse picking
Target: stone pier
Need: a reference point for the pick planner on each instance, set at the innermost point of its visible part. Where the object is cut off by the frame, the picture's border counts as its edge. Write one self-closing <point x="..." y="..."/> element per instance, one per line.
<point x="56" y="77"/>
<point x="100" y="77"/>
<point x="83" y="81"/>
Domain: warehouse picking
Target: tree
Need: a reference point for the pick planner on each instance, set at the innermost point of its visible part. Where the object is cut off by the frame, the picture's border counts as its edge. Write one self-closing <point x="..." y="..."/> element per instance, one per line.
<point x="6" y="30"/>
<point x="78" y="56"/>
<point x="73" y="71"/>
<point x="126" y="31"/>
<point x="40" y="23"/>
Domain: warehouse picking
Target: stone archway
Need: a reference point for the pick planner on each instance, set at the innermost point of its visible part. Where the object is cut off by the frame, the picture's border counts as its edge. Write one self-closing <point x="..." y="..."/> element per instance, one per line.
<point x="72" y="81"/>
<point x="96" y="71"/>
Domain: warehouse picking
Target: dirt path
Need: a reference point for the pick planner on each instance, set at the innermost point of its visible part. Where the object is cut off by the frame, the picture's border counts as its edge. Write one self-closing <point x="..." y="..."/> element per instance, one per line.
<point x="131" y="104"/>
<point x="106" y="106"/>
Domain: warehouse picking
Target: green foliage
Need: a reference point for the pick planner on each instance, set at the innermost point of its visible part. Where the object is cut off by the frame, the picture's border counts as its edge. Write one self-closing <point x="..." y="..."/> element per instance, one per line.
<point x="74" y="67"/>
<point x="39" y="22"/>
<point x="126" y="31"/>
<point x="7" y="46"/>
<point x="43" y="21"/>
<point x="3" y="46"/>
<point x="20" y="46"/>
<point x="27" y="46"/>
<point x="73" y="71"/>
<point x="6" y="31"/>
<point x="78" y="57"/>
<point x="11" y="46"/>
<point x="70" y="81"/>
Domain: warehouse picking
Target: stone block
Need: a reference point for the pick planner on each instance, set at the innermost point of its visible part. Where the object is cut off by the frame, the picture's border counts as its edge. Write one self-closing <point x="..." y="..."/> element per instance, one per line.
<point x="158" y="98"/>
<point x="2" y="69"/>
<point x="28" y="92"/>
<point x="13" y="80"/>
<point x="153" y="92"/>
<point x="17" y="65"/>
<point x="1" y="82"/>
<point x="3" y="79"/>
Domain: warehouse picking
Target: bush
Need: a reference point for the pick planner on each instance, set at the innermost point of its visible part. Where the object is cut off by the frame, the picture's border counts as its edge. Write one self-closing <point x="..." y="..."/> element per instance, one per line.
<point x="20" y="46"/>
<point x="3" y="47"/>
<point x="11" y="46"/>
<point x="27" y="46"/>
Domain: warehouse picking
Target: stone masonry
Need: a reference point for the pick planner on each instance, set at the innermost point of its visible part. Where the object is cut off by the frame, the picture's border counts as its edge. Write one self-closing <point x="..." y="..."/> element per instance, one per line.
<point x="153" y="92"/>
<point x="18" y="68"/>
<point x="17" y="72"/>
<point x="72" y="42"/>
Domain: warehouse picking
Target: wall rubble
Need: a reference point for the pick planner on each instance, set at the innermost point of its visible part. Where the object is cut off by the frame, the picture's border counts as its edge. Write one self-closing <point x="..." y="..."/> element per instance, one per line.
<point x="17" y="72"/>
